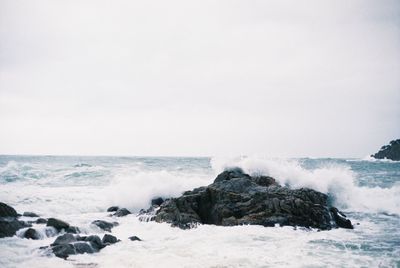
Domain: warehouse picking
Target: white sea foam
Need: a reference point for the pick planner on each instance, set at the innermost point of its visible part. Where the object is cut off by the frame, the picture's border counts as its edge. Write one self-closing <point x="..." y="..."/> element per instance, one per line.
<point x="83" y="198"/>
<point x="135" y="190"/>
<point x="338" y="181"/>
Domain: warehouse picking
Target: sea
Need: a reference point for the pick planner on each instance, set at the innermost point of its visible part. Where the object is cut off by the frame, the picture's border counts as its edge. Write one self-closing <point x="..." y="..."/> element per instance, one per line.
<point x="79" y="190"/>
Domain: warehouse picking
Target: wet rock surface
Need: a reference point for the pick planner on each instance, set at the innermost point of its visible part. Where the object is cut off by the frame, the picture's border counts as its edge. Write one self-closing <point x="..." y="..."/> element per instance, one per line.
<point x="390" y="151"/>
<point x="121" y="212"/>
<point x="236" y="198"/>
<point x="9" y="223"/>
<point x="109" y="239"/>
<point x="57" y="224"/>
<point x="41" y="221"/>
<point x="112" y="209"/>
<point x="104" y="225"/>
<point x="157" y="201"/>
<point x="31" y="233"/>
<point x="30" y="214"/>
<point x="134" y="238"/>
<point x="69" y="244"/>
<point x="7" y="211"/>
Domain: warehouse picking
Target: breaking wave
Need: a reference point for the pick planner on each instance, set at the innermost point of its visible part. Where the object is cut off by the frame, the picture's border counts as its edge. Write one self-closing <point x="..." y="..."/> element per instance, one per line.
<point x="337" y="180"/>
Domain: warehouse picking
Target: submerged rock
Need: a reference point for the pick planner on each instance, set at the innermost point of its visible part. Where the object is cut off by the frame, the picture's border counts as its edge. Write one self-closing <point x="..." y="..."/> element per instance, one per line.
<point x="57" y="224"/>
<point x="122" y="212"/>
<point x="84" y="247"/>
<point x="31" y="233"/>
<point x="72" y="230"/>
<point x="95" y="241"/>
<point x="41" y="221"/>
<point x="109" y="239"/>
<point x="30" y="214"/>
<point x="235" y="198"/>
<point x="64" y="239"/>
<point x="64" y="250"/>
<point x="69" y="244"/>
<point x="104" y="225"/>
<point x="390" y="151"/>
<point x="134" y="238"/>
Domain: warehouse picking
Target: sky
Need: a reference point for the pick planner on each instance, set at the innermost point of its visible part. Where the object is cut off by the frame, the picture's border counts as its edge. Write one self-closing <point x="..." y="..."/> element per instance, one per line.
<point x="199" y="78"/>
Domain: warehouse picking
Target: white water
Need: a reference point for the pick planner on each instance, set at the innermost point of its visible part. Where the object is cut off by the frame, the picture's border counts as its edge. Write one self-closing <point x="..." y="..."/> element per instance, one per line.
<point x="81" y="194"/>
<point x="338" y="181"/>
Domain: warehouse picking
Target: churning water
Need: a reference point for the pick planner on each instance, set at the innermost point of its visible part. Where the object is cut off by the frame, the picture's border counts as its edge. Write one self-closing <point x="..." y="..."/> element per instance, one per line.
<point x="79" y="190"/>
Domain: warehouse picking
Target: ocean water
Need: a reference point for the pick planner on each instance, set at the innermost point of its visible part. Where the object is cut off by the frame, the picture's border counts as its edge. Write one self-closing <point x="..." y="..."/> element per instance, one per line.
<point x="80" y="189"/>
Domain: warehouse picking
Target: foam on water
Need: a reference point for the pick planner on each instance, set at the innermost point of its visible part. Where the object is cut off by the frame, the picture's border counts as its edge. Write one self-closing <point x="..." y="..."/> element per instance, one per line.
<point x="135" y="190"/>
<point x="79" y="190"/>
<point x="336" y="180"/>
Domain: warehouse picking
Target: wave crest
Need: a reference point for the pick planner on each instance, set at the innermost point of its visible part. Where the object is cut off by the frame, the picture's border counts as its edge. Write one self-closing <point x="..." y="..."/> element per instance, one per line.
<point x="336" y="180"/>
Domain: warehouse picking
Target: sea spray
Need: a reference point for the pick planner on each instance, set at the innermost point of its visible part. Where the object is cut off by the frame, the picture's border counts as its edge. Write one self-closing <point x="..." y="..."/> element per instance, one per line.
<point x="44" y="185"/>
<point x="336" y="180"/>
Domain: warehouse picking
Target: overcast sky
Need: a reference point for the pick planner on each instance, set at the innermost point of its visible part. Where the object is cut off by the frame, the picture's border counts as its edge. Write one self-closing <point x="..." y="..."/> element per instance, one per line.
<point x="278" y="78"/>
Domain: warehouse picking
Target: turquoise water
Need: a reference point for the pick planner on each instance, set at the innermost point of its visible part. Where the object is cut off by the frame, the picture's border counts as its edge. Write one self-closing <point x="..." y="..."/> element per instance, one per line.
<point x="80" y="188"/>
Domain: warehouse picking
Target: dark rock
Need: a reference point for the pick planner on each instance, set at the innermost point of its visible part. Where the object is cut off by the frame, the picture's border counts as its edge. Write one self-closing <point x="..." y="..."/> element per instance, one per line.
<point x="95" y="241"/>
<point x="134" y="238"/>
<point x="83" y="247"/>
<point x="30" y="214"/>
<point x="64" y="239"/>
<point x="391" y="151"/>
<point x="63" y="250"/>
<point x="72" y="230"/>
<point x="340" y="219"/>
<point x="109" y="239"/>
<point x="80" y="238"/>
<point x="104" y="225"/>
<point x="32" y="234"/>
<point x="235" y="198"/>
<point x="41" y="221"/>
<point x="112" y="209"/>
<point x="8" y="226"/>
<point x="157" y="201"/>
<point x="121" y="212"/>
<point x="7" y="211"/>
<point x="265" y="181"/>
<point x="230" y="174"/>
<point x="57" y="224"/>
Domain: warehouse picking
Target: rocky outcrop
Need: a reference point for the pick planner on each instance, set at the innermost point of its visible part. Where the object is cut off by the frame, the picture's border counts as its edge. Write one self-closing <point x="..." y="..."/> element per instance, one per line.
<point x="9" y="223"/>
<point x="390" y="151"/>
<point x="236" y="198"/>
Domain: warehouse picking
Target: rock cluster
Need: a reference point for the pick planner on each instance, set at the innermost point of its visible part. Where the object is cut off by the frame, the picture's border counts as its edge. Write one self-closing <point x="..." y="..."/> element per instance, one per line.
<point x="9" y="222"/>
<point x="236" y="198"/>
<point x="390" y="151"/>
<point x="69" y="242"/>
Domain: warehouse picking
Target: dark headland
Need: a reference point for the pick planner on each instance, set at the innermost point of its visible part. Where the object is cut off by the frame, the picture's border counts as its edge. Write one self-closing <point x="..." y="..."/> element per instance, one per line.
<point x="390" y="151"/>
